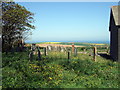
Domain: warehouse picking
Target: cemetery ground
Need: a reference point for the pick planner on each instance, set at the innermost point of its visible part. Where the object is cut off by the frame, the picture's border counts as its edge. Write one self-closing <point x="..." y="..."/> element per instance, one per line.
<point x="55" y="70"/>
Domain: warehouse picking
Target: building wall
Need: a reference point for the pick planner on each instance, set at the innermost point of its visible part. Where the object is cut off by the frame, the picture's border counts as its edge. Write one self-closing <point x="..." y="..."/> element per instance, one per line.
<point x="119" y="44"/>
<point x="114" y="44"/>
<point x="0" y="44"/>
<point x="113" y="40"/>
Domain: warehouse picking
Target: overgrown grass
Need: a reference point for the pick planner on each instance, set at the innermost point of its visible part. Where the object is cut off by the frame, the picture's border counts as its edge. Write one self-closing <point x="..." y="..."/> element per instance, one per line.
<point x="56" y="71"/>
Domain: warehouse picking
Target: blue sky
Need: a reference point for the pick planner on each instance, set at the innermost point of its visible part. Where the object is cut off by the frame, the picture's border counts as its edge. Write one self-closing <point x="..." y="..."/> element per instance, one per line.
<point x="70" y="21"/>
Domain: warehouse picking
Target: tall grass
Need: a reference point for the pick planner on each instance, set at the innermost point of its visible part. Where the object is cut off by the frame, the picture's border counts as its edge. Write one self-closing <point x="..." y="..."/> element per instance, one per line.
<point x="56" y="71"/>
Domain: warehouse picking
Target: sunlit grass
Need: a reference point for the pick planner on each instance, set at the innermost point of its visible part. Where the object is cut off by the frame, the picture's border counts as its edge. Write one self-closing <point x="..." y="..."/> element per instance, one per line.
<point x="56" y="71"/>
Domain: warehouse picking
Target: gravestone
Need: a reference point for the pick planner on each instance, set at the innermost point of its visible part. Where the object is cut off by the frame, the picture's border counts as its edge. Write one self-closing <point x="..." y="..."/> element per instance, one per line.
<point x="39" y="55"/>
<point x="45" y="53"/>
<point x="55" y="48"/>
<point x="62" y="49"/>
<point x="49" y="48"/>
<point x="75" y="52"/>
<point x="65" y="49"/>
<point x="33" y="47"/>
<point x="73" y="48"/>
<point x="31" y="56"/>
<point x="59" y="48"/>
<point x="91" y="52"/>
<point x="84" y="49"/>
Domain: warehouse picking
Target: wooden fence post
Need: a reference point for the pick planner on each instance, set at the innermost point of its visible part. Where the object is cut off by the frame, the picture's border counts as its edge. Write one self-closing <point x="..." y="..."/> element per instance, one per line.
<point x="94" y="53"/>
<point x="68" y="55"/>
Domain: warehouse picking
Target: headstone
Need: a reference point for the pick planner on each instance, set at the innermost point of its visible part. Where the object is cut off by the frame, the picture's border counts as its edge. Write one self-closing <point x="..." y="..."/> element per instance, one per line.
<point x="62" y="49"/>
<point x="27" y="49"/>
<point x="39" y="55"/>
<point x="49" y="48"/>
<point x="31" y="56"/>
<point x="84" y="49"/>
<point x="91" y="52"/>
<point x="75" y="52"/>
<point x="59" y="48"/>
<point x="33" y="47"/>
<point x="55" y="48"/>
<point x="45" y="51"/>
<point x="73" y="48"/>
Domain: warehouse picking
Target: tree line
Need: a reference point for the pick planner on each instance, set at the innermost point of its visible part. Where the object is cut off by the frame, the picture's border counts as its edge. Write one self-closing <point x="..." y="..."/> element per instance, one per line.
<point x="16" y="24"/>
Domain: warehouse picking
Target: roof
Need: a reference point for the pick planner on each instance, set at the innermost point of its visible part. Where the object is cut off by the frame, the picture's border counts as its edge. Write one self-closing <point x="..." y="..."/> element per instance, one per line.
<point x="116" y="14"/>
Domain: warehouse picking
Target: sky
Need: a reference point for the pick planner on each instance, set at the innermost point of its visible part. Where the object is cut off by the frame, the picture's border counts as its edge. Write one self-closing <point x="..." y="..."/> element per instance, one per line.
<point x="70" y="21"/>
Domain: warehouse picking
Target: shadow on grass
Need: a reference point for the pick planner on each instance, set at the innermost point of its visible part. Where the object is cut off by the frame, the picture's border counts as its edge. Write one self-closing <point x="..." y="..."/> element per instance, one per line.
<point x="106" y="56"/>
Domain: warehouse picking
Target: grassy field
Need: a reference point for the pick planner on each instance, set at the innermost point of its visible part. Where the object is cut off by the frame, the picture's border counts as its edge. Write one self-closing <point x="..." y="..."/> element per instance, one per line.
<point x="75" y="43"/>
<point x="84" y="44"/>
<point x="56" y="71"/>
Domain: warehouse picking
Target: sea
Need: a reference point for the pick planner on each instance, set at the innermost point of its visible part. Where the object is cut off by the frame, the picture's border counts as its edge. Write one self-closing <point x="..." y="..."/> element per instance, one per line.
<point x="102" y="42"/>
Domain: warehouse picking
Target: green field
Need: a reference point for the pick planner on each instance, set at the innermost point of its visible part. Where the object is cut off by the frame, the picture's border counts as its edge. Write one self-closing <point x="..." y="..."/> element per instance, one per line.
<point x="56" y="71"/>
<point x="75" y="43"/>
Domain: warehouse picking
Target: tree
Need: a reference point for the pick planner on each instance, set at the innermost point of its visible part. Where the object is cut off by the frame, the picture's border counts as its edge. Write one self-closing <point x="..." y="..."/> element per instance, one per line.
<point x="16" y="20"/>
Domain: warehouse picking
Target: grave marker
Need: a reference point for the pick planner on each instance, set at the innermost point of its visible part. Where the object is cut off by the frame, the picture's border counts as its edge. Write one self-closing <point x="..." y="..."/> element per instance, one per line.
<point x="62" y="49"/>
<point x="73" y="48"/>
<point x="31" y="56"/>
<point x="75" y="52"/>
<point x="45" y="51"/>
<point x="39" y="55"/>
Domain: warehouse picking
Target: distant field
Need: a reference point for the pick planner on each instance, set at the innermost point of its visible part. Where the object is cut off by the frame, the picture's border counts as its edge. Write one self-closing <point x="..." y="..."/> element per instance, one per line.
<point x="49" y="43"/>
<point x="76" y="43"/>
<point x="84" y="44"/>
